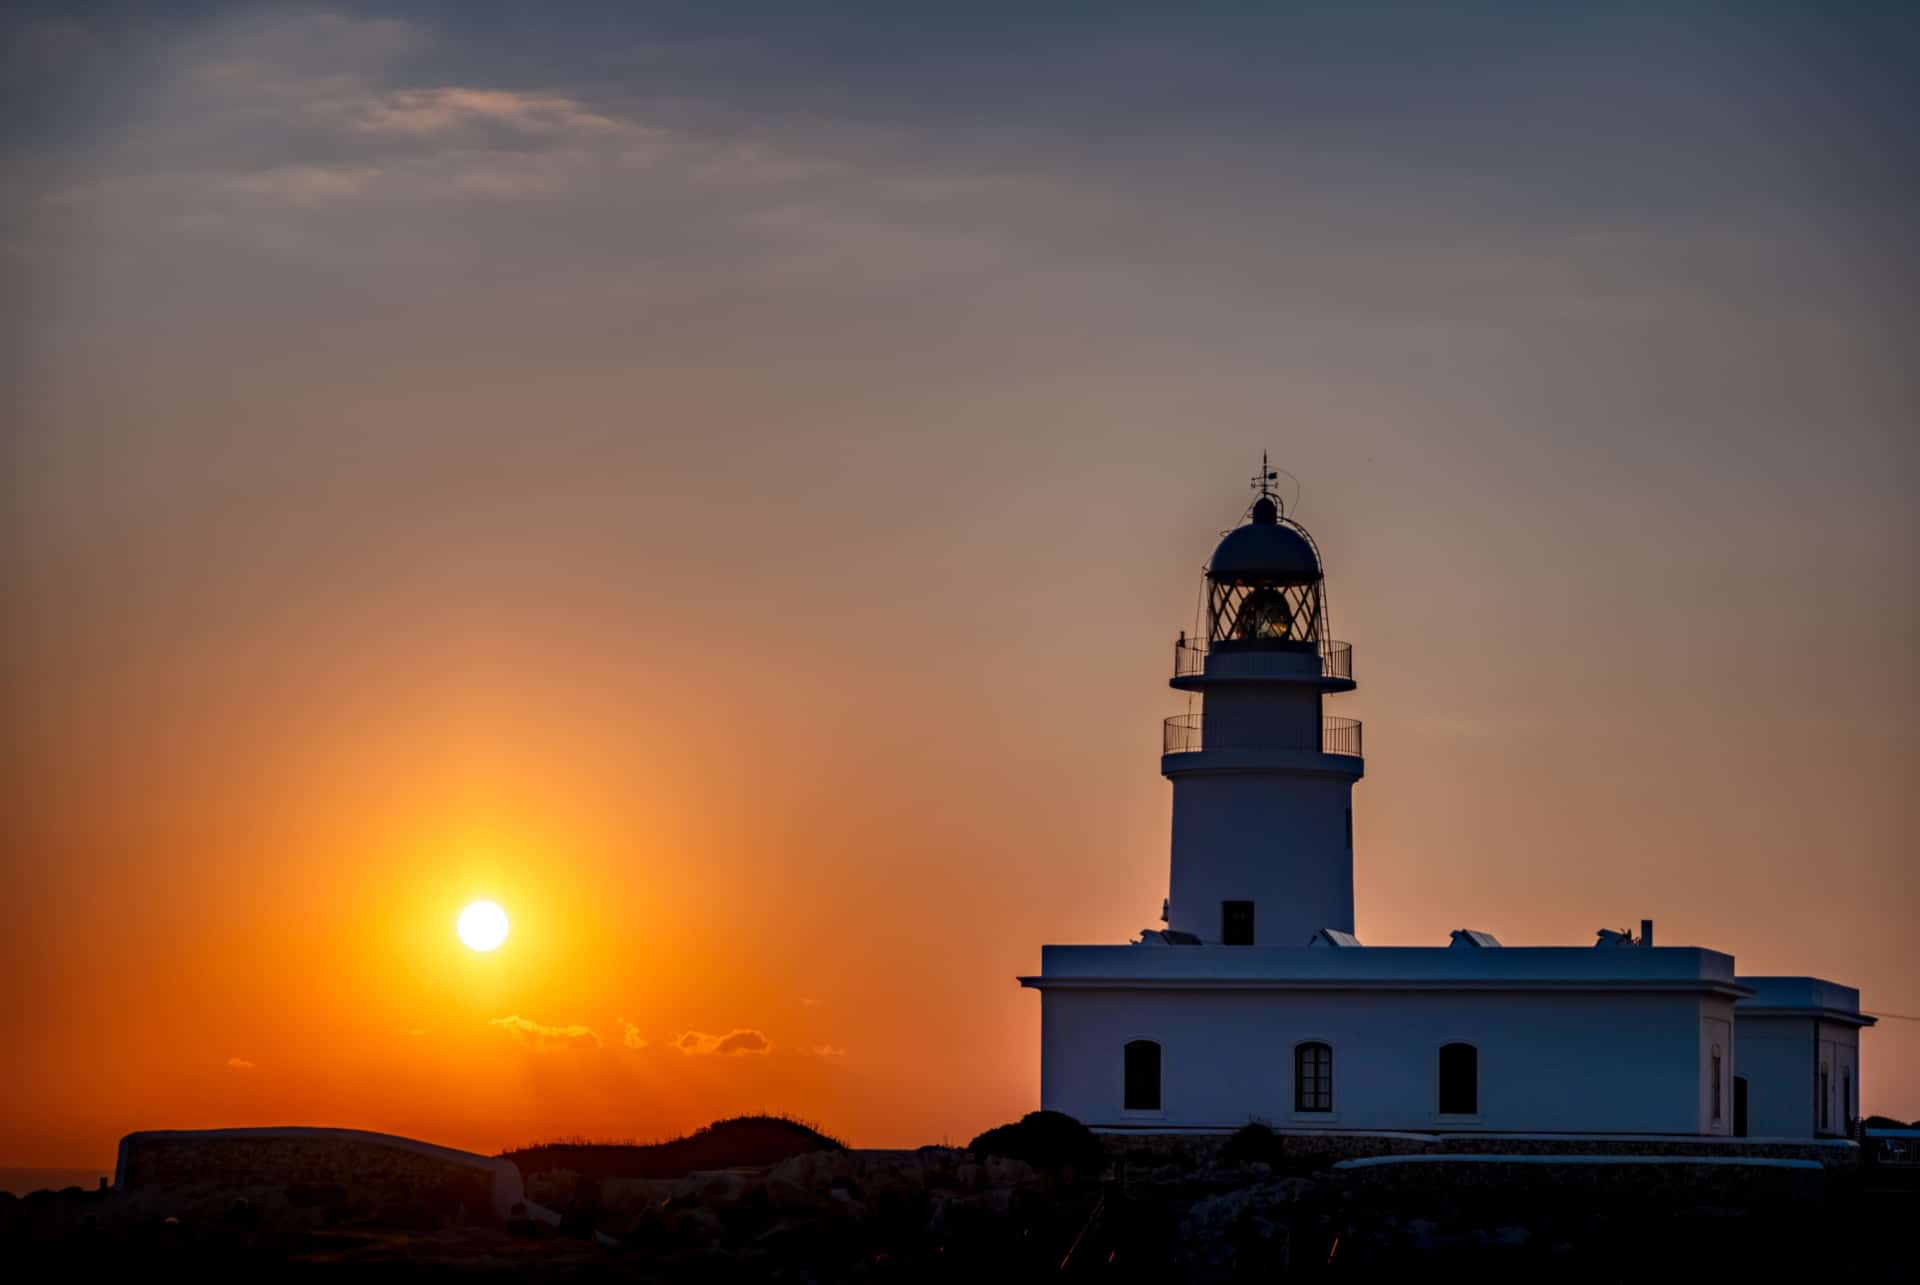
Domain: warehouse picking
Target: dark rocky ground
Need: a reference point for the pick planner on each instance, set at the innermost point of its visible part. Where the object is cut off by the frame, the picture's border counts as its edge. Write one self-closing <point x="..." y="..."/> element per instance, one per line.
<point x="950" y="1215"/>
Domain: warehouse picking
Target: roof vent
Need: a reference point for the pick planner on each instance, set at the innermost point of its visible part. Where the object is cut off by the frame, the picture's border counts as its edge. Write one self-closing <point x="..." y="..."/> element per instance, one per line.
<point x="1333" y="937"/>
<point x="1615" y="937"/>
<point x="1472" y="939"/>
<point x="1166" y="937"/>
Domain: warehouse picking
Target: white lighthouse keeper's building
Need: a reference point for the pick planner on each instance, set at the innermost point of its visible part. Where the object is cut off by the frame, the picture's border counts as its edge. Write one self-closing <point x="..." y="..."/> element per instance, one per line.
<point x="1256" y="1001"/>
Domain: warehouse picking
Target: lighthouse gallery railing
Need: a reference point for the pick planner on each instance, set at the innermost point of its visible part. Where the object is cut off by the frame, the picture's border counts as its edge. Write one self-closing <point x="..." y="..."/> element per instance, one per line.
<point x="1190" y="657"/>
<point x="1181" y="734"/>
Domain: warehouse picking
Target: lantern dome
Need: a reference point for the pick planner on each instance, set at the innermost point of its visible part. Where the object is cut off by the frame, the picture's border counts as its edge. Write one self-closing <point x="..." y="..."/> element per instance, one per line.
<point x="1266" y="551"/>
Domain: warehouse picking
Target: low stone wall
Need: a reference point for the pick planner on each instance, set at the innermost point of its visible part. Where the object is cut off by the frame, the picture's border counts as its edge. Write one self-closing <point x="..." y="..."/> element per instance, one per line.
<point x="1308" y="1150"/>
<point x="1827" y="1153"/>
<point x="1302" y="1150"/>
<point x="1670" y="1180"/>
<point x="350" y="1162"/>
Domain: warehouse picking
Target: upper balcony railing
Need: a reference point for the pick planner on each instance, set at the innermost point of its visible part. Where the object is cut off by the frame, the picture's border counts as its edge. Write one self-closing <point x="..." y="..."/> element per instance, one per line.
<point x="1190" y="658"/>
<point x="1181" y="734"/>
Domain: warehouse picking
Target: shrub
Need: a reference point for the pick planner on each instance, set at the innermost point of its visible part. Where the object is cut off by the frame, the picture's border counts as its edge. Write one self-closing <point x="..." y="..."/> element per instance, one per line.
<point x="1047" y="1140"/>
<point x="1252" y="1142"/>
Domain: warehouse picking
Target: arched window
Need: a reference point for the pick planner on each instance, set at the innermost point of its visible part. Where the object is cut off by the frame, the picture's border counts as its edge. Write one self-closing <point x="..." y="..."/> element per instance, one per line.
<point x="1312" y="1077"/>
<point x="1142" y="1064"/>
<point x="1459" y="1079"/>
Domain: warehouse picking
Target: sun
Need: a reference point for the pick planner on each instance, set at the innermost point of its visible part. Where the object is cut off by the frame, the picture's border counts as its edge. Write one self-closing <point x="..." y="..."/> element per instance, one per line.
<point x="482" y="926"/>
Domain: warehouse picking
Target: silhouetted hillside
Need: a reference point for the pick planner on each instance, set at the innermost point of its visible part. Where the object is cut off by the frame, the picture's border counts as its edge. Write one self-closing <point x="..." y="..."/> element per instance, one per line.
<point x="748" y="1140"/>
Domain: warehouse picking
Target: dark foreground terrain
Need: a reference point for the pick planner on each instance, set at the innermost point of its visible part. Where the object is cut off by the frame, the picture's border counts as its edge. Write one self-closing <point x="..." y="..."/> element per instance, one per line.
<point x="1066" y="1208"/>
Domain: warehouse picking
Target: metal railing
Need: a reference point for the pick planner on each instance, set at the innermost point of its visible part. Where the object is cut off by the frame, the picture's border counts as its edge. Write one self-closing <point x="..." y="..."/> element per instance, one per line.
<point x="1182" y="734"/>
<point x="1190" y="658"/>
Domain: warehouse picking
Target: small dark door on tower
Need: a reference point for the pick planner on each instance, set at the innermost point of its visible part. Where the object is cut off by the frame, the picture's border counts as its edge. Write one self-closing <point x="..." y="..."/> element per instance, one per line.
<point x="1739" y="1106"/>
<point x="1236" y="923"/>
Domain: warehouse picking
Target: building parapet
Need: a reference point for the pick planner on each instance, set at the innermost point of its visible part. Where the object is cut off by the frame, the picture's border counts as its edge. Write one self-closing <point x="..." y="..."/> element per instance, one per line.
<point x="1681" y="968"/>
<point x="1801" y="997"/>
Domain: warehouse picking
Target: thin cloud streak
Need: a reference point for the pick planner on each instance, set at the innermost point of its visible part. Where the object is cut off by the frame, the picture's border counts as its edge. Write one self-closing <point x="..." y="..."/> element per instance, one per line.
<point x="736" y="1041"/>
<point x="423" y="113"/>
<point x="544" y="1038"/>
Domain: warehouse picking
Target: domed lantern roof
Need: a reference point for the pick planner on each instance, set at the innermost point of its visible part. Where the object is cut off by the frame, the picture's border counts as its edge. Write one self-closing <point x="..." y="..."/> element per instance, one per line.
<point x="1265" y="588"/>
<point x="1266" y="551"/>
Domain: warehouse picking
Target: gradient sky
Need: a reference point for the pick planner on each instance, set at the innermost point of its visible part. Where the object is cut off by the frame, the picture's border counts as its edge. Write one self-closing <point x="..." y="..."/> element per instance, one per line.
<point x="725" y="481"/>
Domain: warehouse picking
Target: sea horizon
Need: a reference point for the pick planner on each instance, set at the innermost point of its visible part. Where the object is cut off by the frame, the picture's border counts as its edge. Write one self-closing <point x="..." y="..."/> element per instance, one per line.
<point x="21" y="1180"/>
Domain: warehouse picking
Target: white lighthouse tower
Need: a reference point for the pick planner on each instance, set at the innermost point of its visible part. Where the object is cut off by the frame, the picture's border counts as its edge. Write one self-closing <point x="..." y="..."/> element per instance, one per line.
<point x="1262" y="777"/>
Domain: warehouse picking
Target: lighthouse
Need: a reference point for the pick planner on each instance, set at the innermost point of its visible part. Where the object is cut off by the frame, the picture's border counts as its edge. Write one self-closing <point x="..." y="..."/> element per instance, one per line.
<point x="1256" y="1001"/>
<point x="1262" y="775"/>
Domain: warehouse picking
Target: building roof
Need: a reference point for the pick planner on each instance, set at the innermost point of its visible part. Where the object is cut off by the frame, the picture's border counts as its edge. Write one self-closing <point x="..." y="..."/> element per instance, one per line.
<point x="1801" y="997"/>
<point x="1674" y="968"/>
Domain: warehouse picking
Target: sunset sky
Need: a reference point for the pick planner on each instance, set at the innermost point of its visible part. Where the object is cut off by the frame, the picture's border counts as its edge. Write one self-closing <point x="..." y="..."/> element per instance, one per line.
<point x="724" y="482"/>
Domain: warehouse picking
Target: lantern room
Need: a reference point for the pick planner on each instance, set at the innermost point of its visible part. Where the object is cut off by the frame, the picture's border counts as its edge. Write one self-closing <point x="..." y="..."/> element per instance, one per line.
<point x="1264" y="587"/>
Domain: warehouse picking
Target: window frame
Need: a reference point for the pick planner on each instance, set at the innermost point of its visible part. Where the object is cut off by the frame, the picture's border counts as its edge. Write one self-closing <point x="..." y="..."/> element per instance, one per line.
<point x="1321" y="1079"/>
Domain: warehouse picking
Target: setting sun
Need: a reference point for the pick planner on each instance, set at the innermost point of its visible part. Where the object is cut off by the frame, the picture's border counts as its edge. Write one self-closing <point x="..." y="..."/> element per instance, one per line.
<point x="483" y="925"/>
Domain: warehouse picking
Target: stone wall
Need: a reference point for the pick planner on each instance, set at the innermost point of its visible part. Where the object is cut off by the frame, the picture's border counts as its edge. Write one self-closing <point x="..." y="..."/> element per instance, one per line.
<point x="1309" y="1151"/>
<point x="349" y="1161"/>
<point x="1672" y="1181"/>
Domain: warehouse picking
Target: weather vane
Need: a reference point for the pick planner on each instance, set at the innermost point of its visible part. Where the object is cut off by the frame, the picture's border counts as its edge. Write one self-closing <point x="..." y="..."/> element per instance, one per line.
<point x="1262" y="482"/>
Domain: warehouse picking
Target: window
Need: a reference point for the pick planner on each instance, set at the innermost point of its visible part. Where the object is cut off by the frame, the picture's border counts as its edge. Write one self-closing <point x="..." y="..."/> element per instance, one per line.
<point x="1264" y="615"/>
<point x="1846" y="1100"/>
<point x="1142" y="1063"/>
<point x="1459" y="1079"/>
<point x="1312" y="1078"/>
<point x="1715" y="1091"/>
<point x="1739" y="1106"/>
<point x="1820" y="1108"/>
<point x="1236" y="923"/>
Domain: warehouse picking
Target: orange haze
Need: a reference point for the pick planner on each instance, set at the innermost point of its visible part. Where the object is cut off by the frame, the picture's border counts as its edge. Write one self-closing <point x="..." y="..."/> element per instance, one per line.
<point x="748" y="544"/>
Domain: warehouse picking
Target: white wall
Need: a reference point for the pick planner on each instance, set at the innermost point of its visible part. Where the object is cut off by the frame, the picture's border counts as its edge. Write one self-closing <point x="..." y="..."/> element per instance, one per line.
<point x="1839" y="1056"/>
<point x="1277" y="840"/>
<point x="1775" y="1054"/>
<point x="1568" y="1061"/>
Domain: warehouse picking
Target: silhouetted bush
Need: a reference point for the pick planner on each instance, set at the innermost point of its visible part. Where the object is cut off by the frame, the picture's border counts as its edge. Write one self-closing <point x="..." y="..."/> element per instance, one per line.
<point x="747" y="1140"/>
<point x="1252" y="1142"/>
<point x="1048" y="1140"/>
